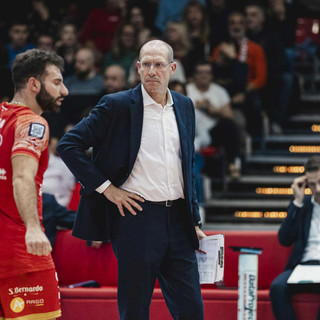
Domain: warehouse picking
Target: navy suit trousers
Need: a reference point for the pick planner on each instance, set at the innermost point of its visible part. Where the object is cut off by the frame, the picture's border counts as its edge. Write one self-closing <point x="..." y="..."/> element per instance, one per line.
<point x="156" y="244"/>
<point x="281" y="292"/>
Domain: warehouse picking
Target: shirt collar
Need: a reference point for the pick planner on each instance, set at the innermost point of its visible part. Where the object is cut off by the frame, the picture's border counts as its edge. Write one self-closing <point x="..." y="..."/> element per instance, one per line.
<point x="147" y="100"/>
<point x="314" y="202"/>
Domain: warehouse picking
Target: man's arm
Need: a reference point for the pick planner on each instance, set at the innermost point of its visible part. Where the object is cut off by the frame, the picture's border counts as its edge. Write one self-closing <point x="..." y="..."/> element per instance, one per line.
<point x="72" y="149"/>
<point x="73" y="146"/>
<point x="288" y="231"/>
<point x="195" y="205"/>
<point x="24" y="170"/>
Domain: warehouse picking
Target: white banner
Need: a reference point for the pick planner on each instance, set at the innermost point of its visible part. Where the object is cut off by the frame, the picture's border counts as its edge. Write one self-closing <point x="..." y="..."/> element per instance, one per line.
<point x="248" y="282"/>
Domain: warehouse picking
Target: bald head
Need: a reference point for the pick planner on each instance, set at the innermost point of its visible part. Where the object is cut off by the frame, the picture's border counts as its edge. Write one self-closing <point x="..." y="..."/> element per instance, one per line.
<point x="157" y="44"/>
<point x="114" y="79"/>
<point x="85" y="53"/>
<point x="84" y="62"/>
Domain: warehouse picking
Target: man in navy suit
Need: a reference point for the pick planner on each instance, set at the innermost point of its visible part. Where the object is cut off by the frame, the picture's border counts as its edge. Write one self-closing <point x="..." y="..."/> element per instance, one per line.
<point x="301" y="228"/>
<point x="138" y="189"/>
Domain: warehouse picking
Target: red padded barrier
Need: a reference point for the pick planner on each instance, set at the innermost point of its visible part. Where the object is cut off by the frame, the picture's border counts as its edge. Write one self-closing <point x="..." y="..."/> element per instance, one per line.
<point x="271" y="262"/>
<point x="76" y="262"/>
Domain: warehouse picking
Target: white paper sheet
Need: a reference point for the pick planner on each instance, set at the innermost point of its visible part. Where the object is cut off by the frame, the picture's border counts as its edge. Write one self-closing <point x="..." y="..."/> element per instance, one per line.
<point x="210" y="257"/>
<point x="305" y="274"/>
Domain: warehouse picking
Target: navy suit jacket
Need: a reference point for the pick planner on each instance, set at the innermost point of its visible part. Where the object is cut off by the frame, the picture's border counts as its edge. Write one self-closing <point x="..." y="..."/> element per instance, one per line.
<point x="295" y="230"/>
<point x="113" y="130"/>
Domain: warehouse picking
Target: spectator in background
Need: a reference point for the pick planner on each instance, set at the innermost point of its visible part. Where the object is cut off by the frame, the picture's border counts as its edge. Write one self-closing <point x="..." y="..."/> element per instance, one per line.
<point x="73" y="12"/>
<point x="218" y="13"/>
<point x="45" y="41"/>
<point x="6" y="88"/>
<point x="283" y="19"/>
<point x="177" y="36"/>
<point x="124" y="49"/>
<point x="58" y="179"/>
<point x="215" y="114"/>
<point x="86" y="80"/>
<point x="168" y="12"/>
<point x="232" y="74"/>
<point x="67" y="45"/>
<point x="276" y="94"/>
<point x="247" y="51"/>
<point x="84" y="87"/>
<point x="40" y="19"/>
<point x="100" y="26"/>
<point x="202" y="139"/>
<point x="136" y="17"/>
<point x="114" y="79"/>
<point x="301" y="229"/>
<point x="18" y="35"/>
<point x="195" y="18"/>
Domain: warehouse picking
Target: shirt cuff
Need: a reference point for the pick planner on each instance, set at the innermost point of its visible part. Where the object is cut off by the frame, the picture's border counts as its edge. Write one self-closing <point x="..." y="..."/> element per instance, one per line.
<point x="198" y="224"/>
<point x="104" y="186"/>
<point x="297" y="204"/>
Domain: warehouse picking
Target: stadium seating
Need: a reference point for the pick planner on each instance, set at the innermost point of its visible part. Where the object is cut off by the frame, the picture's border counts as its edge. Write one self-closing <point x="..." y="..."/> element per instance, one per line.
<point x="76" y="262"/>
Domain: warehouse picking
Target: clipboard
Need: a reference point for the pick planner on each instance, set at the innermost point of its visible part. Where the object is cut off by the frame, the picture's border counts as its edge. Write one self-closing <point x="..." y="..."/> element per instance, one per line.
<point x="305" y="274"/>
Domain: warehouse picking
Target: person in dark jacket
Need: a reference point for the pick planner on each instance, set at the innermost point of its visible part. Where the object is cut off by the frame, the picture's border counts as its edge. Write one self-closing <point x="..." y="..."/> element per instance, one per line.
<point x="55" y="216"/>
<point x="301" y="227"/>
<point x="278" y="90"/>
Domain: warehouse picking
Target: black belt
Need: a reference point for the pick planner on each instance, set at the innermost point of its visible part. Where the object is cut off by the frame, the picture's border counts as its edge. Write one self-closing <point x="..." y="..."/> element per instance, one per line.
<point x="311" y="262"/>
<point x="166" y="203"/>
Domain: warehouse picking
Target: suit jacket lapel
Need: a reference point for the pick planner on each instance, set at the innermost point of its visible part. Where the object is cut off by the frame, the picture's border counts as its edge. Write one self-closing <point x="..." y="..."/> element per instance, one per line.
<point x="309" y="209"/>
<point x="136" y="113"/>
<point x="181" y="121"/>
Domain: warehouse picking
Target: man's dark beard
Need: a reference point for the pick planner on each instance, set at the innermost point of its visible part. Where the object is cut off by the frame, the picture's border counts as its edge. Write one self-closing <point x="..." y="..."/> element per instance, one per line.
<point x="83" y="74"/>
<point x="46" y="101"/>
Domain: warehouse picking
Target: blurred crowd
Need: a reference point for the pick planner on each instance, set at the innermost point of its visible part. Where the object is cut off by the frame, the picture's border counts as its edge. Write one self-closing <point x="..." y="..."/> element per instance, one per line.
<point x="237" y="60"/>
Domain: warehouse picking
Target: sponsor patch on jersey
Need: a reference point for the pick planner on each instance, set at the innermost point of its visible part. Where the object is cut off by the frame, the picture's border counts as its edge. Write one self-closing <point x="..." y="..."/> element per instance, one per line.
<point x="37" y="130"/>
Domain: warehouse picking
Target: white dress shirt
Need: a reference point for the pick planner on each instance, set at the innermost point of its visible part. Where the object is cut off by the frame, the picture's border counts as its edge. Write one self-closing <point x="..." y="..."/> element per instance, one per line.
<point x="157" y="171"/>
<point x="312" y="250"/>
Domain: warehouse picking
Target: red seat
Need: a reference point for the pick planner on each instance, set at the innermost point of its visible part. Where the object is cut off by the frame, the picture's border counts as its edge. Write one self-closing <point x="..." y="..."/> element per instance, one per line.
<point x="308" y="28"/>
<point x="209" y="151"/>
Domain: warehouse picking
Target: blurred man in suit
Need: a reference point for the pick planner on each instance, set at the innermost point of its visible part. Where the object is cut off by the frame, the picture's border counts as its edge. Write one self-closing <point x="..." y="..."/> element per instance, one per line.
<point x="301" y="228"/>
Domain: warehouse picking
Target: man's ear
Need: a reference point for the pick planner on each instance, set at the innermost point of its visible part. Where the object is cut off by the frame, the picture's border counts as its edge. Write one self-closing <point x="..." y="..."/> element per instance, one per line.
<point x="138" y="67"/>
<point x="34" y="85"/>
<point x="173" y="67"/>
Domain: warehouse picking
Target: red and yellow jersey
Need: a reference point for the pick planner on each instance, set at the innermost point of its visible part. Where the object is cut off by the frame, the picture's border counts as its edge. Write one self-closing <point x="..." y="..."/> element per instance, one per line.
<point x="22" y="132"/>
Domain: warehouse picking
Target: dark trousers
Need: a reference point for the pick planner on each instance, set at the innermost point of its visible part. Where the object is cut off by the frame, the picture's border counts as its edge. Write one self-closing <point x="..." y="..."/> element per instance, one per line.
<point x="226" y="134"/>
<point x="276" y="96"/>
<point x="156" y="244"/>
<point x="280" y="295"/>
<point x="252" y="111"/>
